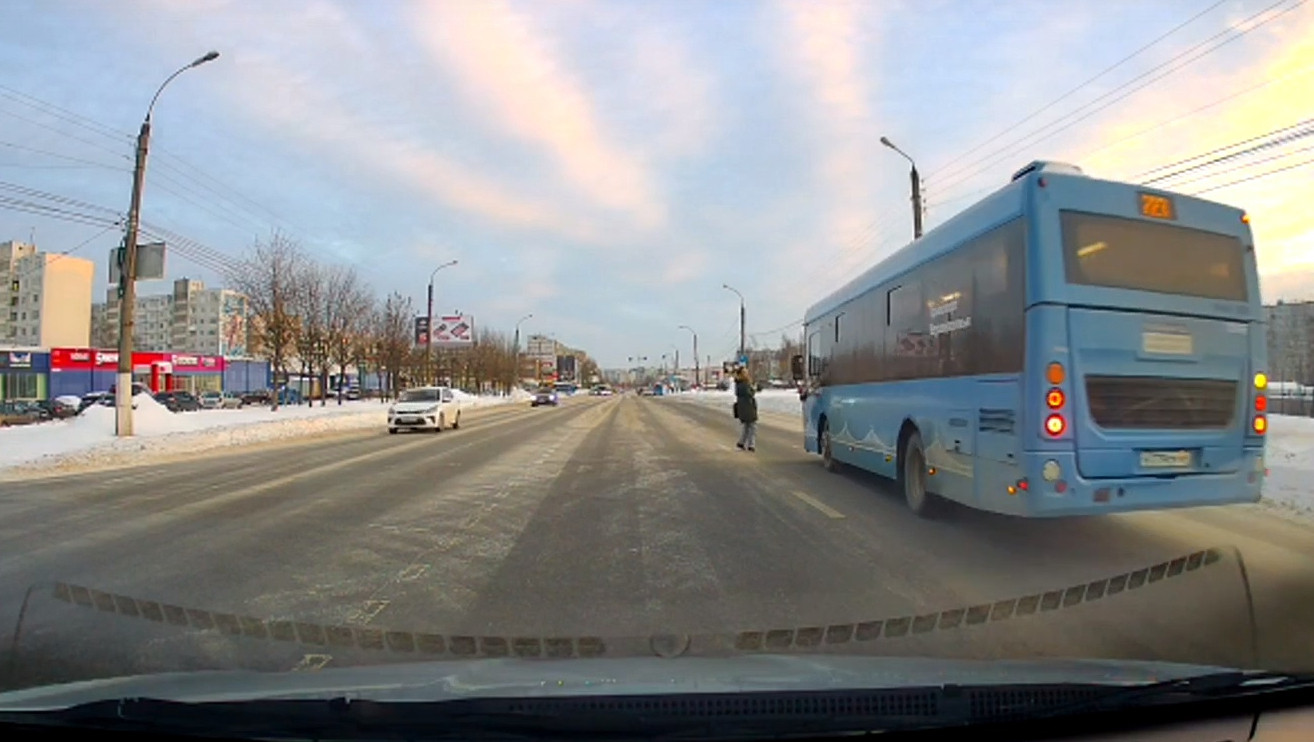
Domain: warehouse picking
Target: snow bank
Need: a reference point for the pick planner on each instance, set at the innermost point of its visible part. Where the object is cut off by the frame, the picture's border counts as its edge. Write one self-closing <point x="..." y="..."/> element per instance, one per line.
<point x="87" y="441"/>
<point x="1289" y="453"/>
<point x="780" y="401"/>
<point x="1290" y="458"/>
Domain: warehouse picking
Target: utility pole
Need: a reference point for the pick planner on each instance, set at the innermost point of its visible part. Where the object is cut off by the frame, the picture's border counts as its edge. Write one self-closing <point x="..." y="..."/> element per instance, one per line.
<point x="742" y="320"/>
<point x="428" y="335"/>
<point x="697" y="377"/>
<point x="128" y="263"/>
<point x="916" y="189"/>
<point x="517" y="353"/>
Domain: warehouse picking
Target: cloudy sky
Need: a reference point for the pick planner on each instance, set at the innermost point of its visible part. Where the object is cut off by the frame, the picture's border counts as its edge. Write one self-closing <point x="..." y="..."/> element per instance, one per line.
<point x="607" y="166"/>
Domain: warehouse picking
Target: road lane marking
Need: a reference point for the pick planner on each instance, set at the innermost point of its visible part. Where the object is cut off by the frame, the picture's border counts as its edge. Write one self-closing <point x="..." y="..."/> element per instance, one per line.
<point x="312" y="662"/>
<point x="367" y="613"/>
<point x="818" y="504"/>
<point x="412" y="572"/>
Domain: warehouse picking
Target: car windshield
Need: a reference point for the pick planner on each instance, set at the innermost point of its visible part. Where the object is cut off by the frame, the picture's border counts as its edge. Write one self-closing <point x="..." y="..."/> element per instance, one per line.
<point x="512" y="347"/>
<point x="419" y="395"/>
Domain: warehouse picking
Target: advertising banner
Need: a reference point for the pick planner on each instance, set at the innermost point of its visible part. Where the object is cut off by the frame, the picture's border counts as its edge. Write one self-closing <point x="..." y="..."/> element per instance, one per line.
<point x="453" y="331"/>
<point x="421" y="330"/>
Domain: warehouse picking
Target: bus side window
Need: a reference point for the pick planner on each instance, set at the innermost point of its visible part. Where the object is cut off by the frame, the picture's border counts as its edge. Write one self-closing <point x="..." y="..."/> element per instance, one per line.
<point x="814" y="354"/>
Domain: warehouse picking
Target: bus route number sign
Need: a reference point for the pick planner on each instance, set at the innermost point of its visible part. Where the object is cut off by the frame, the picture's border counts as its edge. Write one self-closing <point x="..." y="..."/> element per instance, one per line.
<point x="1157" y="207"/>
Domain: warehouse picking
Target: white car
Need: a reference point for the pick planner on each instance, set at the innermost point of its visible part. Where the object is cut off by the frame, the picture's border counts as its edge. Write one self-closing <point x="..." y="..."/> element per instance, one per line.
<point x="425" y="408"/>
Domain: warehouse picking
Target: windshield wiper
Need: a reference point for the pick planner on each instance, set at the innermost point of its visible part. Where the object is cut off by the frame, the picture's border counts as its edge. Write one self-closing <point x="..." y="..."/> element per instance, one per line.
<point x="702" y="716"/>
<point x="1229" y="684"/>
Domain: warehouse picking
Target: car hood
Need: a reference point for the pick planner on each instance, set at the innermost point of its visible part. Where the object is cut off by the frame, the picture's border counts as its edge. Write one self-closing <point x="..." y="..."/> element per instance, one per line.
<point x="457" y="679"/>
<point x="413" y="406"/>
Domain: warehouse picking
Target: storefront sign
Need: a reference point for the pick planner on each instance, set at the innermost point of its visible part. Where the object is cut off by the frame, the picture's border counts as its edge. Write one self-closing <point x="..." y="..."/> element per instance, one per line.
<point x="86" y="359"/>
<point x="16" y="360"/>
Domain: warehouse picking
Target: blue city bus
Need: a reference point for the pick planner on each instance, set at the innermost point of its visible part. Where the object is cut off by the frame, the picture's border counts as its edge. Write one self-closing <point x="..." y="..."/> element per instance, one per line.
<point x="1065" y="346"/>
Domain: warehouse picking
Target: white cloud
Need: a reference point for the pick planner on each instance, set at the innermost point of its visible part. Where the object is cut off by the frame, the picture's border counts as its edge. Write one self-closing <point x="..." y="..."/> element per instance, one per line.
<point x="512" y="71"/>
<point x="679" y="94"/>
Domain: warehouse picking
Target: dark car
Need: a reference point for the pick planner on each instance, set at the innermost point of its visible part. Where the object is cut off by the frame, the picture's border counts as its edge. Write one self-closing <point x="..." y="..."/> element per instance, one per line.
<point x="544" y="397"/>
<point x="178" y="401"/>
<point x="19" y="413"/>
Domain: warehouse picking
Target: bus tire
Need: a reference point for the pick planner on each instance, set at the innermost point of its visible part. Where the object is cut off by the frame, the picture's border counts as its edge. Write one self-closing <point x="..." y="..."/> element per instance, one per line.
<point x="825" y="447"/>
<point x="913" y="477"/>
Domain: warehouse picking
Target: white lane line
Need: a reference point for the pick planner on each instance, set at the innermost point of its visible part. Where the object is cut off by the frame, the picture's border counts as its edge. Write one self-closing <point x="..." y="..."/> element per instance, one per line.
<point x="312" y="662"/>
<point x="367" y="613"/>
<point x="818" y="504"/>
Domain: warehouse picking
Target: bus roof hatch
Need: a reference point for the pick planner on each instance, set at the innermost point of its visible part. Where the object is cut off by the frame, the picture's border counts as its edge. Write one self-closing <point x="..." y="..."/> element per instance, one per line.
<point x="1048" y="166"/>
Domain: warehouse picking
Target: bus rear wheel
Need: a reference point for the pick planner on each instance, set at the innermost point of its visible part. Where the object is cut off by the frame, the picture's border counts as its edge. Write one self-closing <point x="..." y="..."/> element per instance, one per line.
<point x="914" y="479"/>
<point x="827" y="455"/>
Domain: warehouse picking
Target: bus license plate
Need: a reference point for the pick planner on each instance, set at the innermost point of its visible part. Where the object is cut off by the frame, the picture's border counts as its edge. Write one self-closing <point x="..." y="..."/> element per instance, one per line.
<point x="1165" y="459"/>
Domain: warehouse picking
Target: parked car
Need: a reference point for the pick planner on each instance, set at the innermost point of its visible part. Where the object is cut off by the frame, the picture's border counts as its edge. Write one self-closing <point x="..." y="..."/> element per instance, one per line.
<point x="544" y="396"/>
<point x="178" y="401"/>
<point x="425" y="408"/>
<point x="13" y="412"/>
<point x="213" y="400"/>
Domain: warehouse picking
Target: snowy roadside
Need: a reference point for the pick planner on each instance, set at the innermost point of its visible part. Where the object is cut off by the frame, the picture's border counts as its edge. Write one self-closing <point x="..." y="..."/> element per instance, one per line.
<point x="1288" y="490"/>
<point x="87" y="441"/>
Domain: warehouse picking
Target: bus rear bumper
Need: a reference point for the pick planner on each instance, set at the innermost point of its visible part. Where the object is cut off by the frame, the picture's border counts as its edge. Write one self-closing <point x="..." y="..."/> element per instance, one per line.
<point x="1073" y="495"/>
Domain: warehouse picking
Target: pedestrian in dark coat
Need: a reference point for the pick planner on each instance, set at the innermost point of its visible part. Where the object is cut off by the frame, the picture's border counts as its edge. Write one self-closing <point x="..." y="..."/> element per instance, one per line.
<point x="746" y="410"/>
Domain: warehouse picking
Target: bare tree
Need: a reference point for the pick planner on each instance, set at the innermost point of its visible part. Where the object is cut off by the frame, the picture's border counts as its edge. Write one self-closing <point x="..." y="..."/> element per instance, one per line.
<point x="309" y="299"/>
<point x="268" y="277"/>
<point x="394" y="339"/>
<point x="347" y="300"/>
<point x="363" y="343"/>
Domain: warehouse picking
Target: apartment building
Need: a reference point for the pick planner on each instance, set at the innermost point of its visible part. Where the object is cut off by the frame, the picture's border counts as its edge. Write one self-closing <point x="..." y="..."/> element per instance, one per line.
<point x="45" y="298"/>
<point x="1291" y="341"/>
<point x="190" y="319"/>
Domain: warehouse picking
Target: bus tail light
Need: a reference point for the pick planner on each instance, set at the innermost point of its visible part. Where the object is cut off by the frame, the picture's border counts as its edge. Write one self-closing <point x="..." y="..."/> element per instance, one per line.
<point x="1055" y="425"/>
<point x="1260" y="425"/>
<point x="1261" y="380"/>
<point x="1055" y="398"/>
<point x="1261" y="403"/>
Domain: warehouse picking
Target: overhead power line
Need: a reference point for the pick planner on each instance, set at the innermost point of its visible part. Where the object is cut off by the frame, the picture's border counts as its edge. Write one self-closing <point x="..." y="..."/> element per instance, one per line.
<point x="1049" y="106"/>
<point x="1274" y="138"/>
<point x="1245" y="166"/>
<point x="1083" y="113"/>
<point x="231" y="199"/>
<point x="1238" y="181"/>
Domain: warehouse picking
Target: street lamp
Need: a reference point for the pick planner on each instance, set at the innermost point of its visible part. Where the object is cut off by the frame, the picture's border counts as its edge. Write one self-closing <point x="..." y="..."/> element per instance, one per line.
<point x="428" y="333"/>
<point x="698" y="380"/>
<point x="916" y="189"/>
<point x="128" y="266"/>
<point x="517" y="354"/>
<point x="741" y="317"/>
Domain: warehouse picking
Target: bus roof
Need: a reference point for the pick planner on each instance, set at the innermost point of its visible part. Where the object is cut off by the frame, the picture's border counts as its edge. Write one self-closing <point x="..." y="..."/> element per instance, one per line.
<point x="989" y="212"/>
<point x="1005" y="202"/>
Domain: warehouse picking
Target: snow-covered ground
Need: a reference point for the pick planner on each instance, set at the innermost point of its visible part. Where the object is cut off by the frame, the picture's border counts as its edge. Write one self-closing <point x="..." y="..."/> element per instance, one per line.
<point x="1290" y="450"/>
<point x="88" y="441"/>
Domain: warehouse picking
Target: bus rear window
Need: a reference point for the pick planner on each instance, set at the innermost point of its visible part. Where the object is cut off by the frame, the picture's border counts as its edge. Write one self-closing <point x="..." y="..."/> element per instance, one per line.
<point x="1131" y="254"/>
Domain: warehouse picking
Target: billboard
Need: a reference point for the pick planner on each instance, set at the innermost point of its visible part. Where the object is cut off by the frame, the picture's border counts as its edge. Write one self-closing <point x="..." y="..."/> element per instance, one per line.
<point x="150" y="263"/>
<point x="566" y="368"/>
<point x="453" y="331"/>
<point x="542" y="347"/>
<point x="421" y="330"/>
<point x="232" y="325"/>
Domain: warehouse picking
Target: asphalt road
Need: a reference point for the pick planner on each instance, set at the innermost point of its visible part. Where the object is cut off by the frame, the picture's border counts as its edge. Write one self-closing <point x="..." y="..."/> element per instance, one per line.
<point x="604" y="522"/>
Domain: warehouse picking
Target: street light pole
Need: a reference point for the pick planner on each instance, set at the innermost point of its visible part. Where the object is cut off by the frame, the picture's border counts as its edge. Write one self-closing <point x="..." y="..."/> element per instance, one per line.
<point x="428" y="335"/>
<point x="517" y="353"/>
<point x="916" y="189"/>
<point x="698" y="379"/>
<point x="128" y="263"/>
<point x="742" y="317"/>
